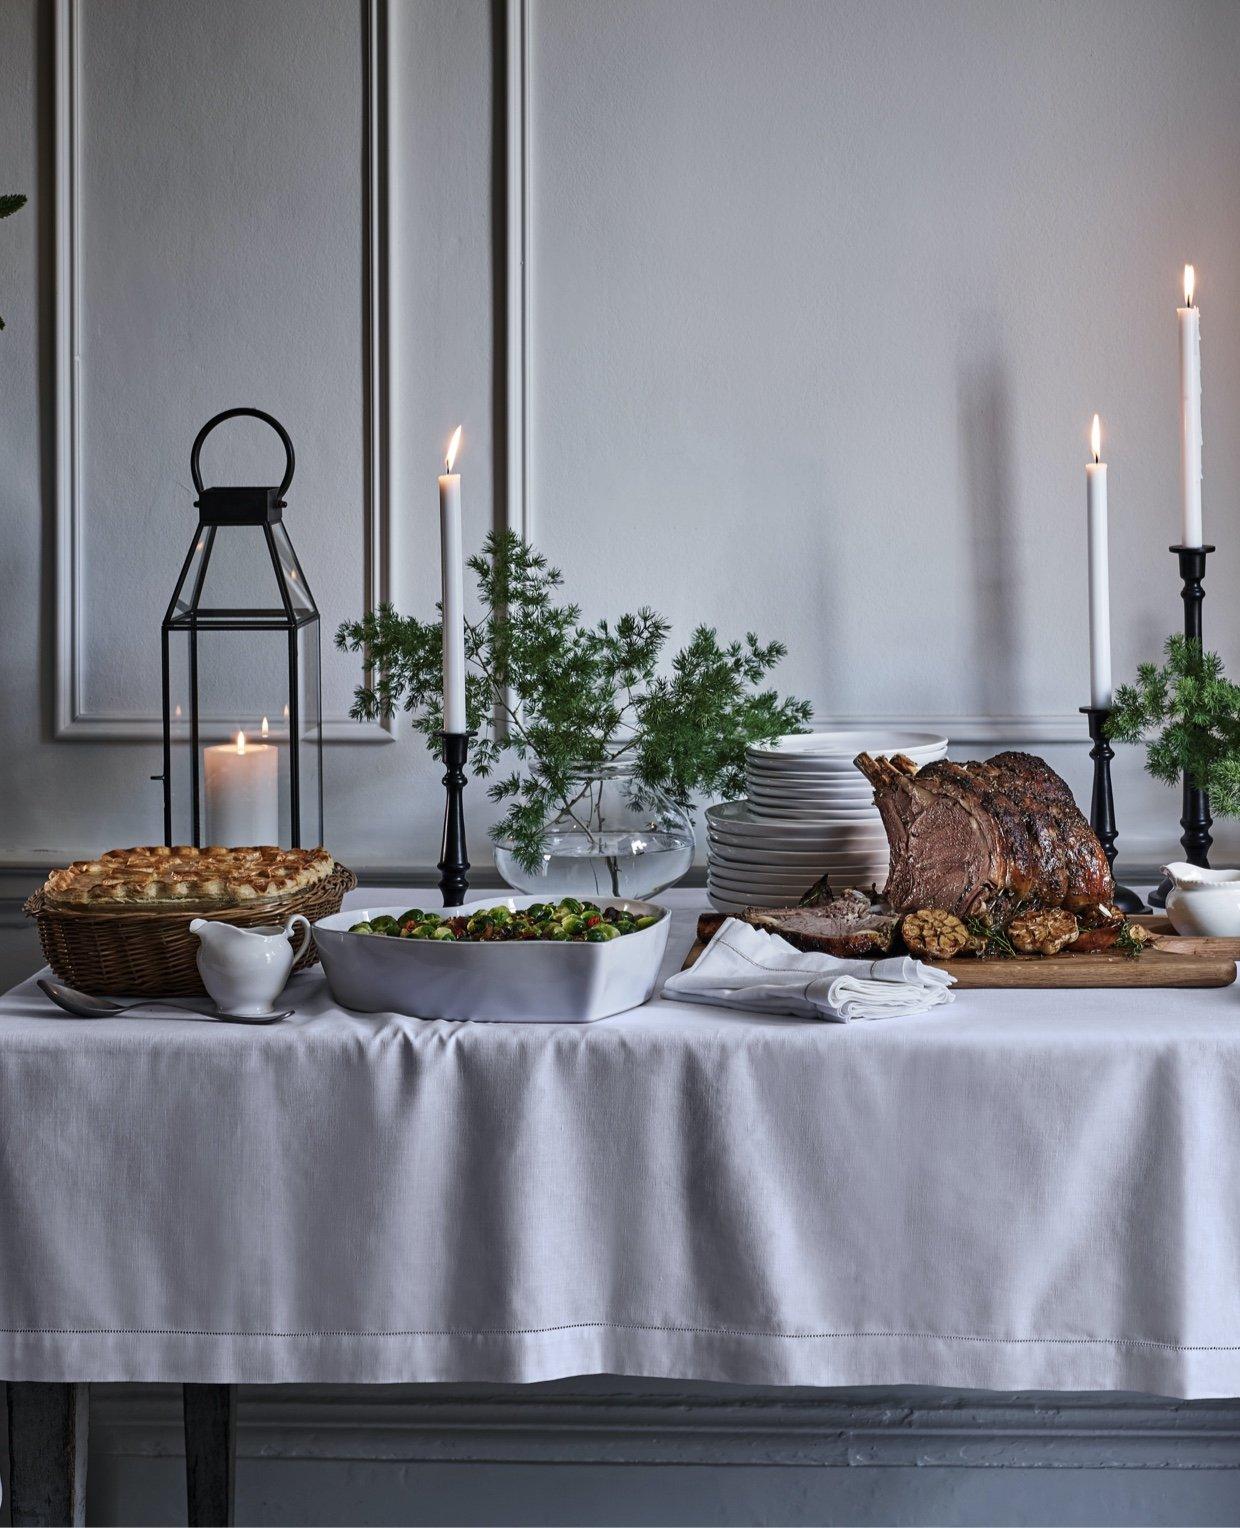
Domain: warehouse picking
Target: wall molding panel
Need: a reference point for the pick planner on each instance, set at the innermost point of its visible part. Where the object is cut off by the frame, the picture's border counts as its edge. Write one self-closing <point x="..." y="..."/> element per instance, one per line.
<point x="519" y="354"/>
<point x="72" y="719"/>
<point x="1033" y="727"/>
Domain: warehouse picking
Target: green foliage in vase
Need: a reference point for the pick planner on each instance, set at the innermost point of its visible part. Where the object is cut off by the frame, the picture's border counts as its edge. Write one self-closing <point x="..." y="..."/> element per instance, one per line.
<point x="546" y="694"/>
<point x="10" y="203"/>
<point x="1188" y="716"/>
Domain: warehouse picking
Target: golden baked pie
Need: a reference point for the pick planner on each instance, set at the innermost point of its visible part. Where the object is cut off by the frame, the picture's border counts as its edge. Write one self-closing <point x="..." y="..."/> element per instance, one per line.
<point x="185" y="878"/>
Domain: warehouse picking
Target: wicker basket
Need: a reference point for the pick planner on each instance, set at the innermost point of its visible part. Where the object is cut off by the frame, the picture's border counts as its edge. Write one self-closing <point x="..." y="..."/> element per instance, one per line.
<point x="153" y="954"/>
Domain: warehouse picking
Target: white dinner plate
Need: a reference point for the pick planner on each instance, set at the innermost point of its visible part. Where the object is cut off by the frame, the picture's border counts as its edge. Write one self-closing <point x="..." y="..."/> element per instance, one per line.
<point x="830" y="763"/>
<point x="792" y="859"/>
<point x="797" y="875"/>
<point x="820" y="841"/>
<point x="732" y="905"/>
<point x="794" y="875"/>
<point x="821" y="806"/>
<point x="741" y="817"/>
<point x="797" y="812"/>
<point x="788" y="888"/>
<point x="848" y="743"/>
<point x="831" y="799"/>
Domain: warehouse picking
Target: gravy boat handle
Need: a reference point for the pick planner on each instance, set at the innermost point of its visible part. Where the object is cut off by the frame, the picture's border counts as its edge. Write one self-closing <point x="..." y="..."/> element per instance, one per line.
<point x="305" y="938"/>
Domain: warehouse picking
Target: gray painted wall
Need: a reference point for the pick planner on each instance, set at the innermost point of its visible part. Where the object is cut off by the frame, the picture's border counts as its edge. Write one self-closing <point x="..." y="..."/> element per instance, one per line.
<point x="824" y="294"/>
<point x="823" y="297"/>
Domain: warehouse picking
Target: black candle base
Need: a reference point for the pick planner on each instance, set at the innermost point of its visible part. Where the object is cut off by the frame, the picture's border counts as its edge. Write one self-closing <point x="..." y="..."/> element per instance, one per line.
<point x="1102" y="803"/>
<point x="1195" y="818"/>
<point x="453" y="858"/>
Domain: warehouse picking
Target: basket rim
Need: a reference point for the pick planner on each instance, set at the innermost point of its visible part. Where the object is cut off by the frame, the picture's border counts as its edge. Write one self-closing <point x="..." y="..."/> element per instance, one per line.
<point x="36" y="906"/>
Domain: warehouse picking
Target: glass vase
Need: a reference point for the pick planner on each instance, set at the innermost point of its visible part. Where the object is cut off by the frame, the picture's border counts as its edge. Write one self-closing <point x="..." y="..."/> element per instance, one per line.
<point x="614" y="837"/>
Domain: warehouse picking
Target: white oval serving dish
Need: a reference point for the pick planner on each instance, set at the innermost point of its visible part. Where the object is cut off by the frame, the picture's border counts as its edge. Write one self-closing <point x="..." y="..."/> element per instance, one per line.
<point x="536" y="981"/>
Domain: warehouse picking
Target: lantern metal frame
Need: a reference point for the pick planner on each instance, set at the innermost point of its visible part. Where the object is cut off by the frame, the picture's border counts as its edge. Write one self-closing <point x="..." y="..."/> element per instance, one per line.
<point x="221" y="507"/>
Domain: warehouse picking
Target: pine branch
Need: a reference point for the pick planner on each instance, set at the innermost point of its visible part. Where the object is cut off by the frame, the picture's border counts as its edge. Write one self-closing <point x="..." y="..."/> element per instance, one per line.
<point x="583" y="694"/>
<point x="1187" y="713"/>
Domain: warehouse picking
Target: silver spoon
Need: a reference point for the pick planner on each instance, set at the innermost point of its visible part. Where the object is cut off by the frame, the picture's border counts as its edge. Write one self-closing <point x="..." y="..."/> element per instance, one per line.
<point x="83" y="1006"/>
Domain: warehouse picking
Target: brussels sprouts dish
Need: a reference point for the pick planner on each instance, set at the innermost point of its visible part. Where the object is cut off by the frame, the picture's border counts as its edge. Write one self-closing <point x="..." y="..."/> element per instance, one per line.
<point x="566" y="921"/>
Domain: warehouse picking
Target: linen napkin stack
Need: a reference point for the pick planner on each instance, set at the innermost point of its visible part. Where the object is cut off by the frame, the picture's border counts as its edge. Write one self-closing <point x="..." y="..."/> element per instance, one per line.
<point x="745" y="967"/>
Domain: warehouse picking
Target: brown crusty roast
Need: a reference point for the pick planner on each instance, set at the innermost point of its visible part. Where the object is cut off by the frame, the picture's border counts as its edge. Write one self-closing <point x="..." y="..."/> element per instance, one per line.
<point x="987" y="838"/>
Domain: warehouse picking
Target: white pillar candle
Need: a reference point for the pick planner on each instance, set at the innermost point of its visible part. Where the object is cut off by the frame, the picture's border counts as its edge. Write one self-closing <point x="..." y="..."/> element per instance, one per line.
<point x="452" y="564"/>
<point x="1099" y="576"/>
<point x="1190" y="413"/>
<point x="243" y="793"/>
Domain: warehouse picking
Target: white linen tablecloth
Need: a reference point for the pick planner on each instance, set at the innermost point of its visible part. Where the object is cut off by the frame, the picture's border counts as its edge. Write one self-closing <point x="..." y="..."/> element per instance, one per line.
<point x="1028" y="1189"/>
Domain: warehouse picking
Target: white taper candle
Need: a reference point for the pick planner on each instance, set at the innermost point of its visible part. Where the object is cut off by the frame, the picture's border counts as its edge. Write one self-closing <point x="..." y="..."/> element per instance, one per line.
<point x="453" y="570"/>
<point x="1099" y="575"/>
<point x="1190" y="413"/>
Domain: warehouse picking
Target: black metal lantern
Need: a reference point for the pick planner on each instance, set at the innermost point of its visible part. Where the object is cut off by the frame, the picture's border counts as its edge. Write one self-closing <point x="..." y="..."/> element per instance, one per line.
<point x="242" y="694"/>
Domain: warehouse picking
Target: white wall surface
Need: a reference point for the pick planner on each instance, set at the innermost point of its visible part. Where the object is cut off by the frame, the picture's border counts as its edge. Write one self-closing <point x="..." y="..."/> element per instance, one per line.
<point x="824" y="295"/>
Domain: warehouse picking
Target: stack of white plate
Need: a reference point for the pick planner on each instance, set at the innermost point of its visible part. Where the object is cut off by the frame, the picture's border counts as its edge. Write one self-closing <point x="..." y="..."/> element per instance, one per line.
<point x="810" y="813"/>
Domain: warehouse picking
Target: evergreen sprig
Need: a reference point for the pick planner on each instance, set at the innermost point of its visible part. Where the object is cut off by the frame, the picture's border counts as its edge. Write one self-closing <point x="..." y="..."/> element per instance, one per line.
<point x="1187" y="713"/>
<point x="546" y="694"/>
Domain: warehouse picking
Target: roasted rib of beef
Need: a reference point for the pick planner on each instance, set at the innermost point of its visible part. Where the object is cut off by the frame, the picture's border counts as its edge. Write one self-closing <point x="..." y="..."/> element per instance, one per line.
<point x="983" y="838"/>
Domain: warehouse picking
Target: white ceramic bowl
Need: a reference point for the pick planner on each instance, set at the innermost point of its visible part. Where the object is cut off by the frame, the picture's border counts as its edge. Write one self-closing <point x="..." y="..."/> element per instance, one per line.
<point x="539" y="981"/>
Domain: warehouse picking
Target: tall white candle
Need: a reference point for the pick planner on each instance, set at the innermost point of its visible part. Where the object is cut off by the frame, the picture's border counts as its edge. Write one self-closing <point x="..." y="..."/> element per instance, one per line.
<point x="243" y="793"/>
<point x="453" y="569"/>
<point x="1099" y="576"/>
<point x="1190" y="413"/>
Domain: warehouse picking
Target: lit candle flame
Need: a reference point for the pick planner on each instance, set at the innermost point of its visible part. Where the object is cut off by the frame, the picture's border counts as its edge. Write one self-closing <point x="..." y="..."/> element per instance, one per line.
<point x="241" y="742"/>
<point x="1190" y="285"/>
<point x="264" y="726"/>
<point x="453" y="446"/>
<point x="1095" y="438"/>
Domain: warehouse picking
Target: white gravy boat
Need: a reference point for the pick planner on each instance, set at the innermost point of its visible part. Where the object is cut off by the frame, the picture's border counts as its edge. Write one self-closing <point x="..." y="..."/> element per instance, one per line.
<point x="1204" y="902"/>
<point x="245" y="969"/>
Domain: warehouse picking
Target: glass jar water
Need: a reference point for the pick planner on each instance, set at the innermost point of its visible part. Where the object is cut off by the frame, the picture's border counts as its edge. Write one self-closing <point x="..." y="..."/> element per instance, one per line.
<point x="614" y="837"/>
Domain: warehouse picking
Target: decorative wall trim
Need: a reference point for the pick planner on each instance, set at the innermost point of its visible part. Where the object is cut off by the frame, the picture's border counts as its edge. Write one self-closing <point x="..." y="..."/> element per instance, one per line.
<point x="613" y="1421"/>
<point x="1036" y="728"/>
<point x="71" y="718"/>
<point x="519" y="216"/>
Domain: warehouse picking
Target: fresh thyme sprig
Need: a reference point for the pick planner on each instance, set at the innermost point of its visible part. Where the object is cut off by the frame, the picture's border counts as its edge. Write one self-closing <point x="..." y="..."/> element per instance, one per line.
<point x="1129" y="942"/>
<point x="995" y="944"/>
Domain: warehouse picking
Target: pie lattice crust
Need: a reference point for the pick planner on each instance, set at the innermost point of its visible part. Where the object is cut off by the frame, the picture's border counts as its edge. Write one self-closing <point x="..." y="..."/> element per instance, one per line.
<point x="185" y="878"/>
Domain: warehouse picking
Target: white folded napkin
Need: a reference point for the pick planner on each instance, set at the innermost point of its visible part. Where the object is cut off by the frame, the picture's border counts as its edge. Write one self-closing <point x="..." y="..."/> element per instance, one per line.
<point x="745" y="967"/>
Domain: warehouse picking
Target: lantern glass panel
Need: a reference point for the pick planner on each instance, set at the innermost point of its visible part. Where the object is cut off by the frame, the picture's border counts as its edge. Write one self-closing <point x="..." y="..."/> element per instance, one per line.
<point x="294" y="578"/>
<point x="239" y="575"/>
<point x="243" y="684"/>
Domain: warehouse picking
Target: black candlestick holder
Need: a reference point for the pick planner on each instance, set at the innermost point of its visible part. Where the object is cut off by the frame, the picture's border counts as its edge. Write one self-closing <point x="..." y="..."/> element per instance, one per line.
<point x="1195" y="818"/>
<point x="453" y="857"/>
<point x="1102" y="802"/>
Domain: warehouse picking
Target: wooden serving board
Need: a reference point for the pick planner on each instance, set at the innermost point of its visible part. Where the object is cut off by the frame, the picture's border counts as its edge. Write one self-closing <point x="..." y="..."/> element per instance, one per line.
<point x="1170" y="961"/>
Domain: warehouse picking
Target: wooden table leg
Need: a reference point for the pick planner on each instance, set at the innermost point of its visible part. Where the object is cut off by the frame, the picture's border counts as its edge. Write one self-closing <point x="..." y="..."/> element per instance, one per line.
<point x="210" y="1454"/>
<point x="47" y="1454"/>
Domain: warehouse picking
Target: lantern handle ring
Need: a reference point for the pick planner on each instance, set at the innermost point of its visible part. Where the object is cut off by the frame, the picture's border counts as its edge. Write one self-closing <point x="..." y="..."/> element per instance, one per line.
<point x="289" y="462"/>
